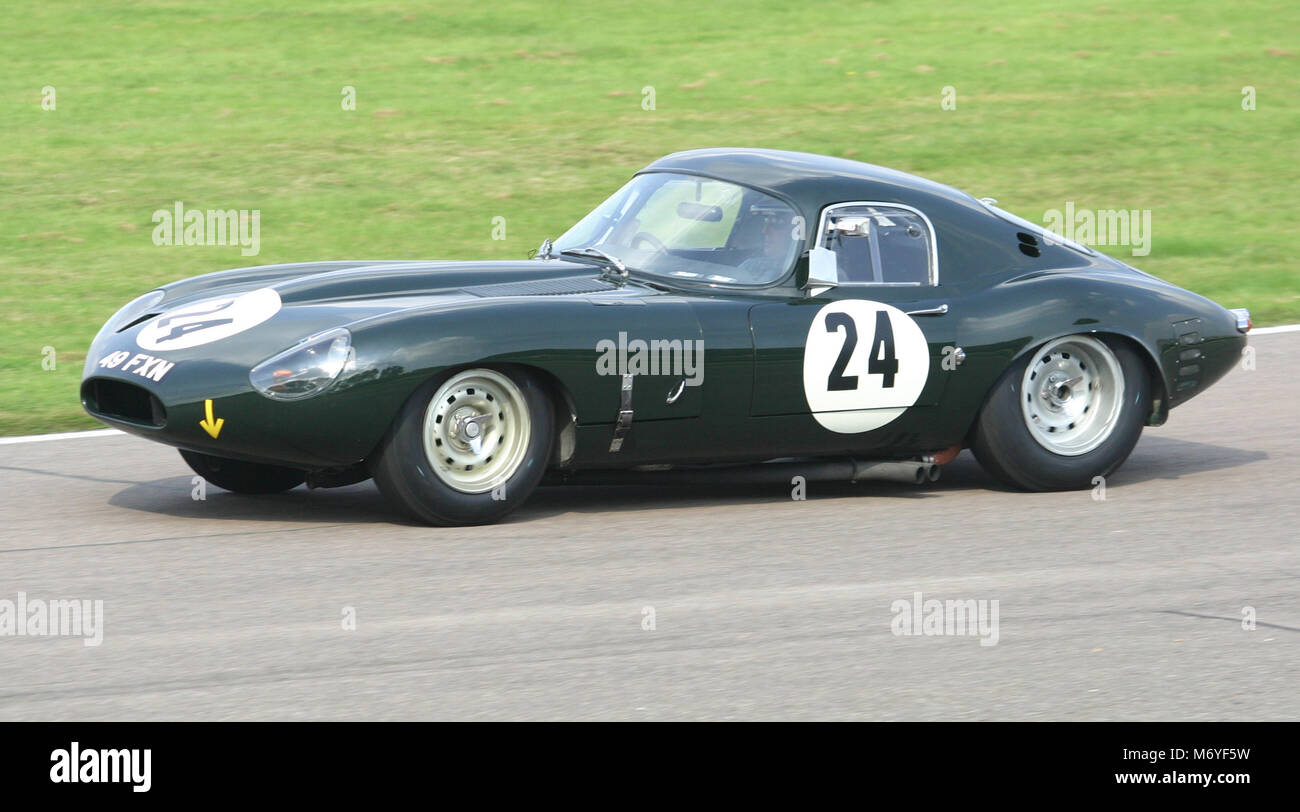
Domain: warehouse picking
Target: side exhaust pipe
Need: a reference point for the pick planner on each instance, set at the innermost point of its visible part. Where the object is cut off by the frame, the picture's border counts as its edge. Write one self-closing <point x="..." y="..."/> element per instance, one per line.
<point x="912" y="473"/>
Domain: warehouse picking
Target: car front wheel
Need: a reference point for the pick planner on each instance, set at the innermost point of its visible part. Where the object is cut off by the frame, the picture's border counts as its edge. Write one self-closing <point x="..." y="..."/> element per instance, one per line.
<point x="1063" y="415"/>
<point x="467" y="448"/>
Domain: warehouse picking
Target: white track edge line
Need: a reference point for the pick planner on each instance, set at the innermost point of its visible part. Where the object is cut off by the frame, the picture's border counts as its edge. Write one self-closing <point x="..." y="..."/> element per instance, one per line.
<point x="1282" y="328"/>
<point x="67" y="435"/>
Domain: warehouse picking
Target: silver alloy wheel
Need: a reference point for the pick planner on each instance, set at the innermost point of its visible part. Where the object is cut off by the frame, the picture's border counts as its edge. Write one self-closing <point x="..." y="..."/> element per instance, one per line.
<point x="1072" y="395"/>
<point x="476" y="430"/>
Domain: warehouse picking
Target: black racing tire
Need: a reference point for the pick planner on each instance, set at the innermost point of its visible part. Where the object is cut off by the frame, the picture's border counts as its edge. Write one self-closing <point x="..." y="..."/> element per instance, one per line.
<point x="1007" y="448"/>
<point x="238" y="476"/>
<point x="421" y="484"/>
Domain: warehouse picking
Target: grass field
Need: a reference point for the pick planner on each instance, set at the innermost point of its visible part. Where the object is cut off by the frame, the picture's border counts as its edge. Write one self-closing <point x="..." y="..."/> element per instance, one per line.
<point x="511" y="110"/>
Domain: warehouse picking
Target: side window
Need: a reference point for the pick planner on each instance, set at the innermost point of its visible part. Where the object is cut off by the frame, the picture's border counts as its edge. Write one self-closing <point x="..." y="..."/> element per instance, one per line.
<point x="880" y="244"/>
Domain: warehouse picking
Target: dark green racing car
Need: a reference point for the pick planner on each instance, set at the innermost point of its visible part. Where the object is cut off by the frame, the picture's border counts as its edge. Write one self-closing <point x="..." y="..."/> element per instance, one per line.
<point x="728" y="315"/>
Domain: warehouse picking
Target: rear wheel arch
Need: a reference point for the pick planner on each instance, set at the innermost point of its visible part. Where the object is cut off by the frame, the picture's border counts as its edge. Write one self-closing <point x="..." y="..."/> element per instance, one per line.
<point x="1159" y="405"/>
<point x="1159" y="391"/>
<point x="1002" y="435"/>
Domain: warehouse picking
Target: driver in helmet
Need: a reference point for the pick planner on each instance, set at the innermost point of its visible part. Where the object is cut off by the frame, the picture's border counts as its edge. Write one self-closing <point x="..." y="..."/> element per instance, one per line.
<point x="771" y="236"/>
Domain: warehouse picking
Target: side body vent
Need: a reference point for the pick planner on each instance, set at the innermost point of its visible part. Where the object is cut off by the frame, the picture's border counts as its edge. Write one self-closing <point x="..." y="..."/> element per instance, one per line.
<point x="1188" y="359"/>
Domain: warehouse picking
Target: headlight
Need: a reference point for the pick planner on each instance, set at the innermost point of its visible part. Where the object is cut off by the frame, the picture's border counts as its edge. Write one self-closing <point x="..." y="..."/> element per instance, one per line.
<point x="133" y="310"/>
<point x="305" y="369"/>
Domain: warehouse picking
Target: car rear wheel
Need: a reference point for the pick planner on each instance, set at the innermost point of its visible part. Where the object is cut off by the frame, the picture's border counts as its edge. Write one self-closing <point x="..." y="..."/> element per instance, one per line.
<point x="238" y="476"/>
<point x="1066" y="413"/>
<point x="467" y="448"/>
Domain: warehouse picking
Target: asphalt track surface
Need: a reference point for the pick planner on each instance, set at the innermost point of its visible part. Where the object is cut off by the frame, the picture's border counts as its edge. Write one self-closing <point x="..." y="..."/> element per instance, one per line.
<point x="764" y="607"/>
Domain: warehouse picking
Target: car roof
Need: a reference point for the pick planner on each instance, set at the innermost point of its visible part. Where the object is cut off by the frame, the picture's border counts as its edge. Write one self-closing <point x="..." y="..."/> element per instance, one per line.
<point x="811" y="181"/>
<point x="972" y="240"/>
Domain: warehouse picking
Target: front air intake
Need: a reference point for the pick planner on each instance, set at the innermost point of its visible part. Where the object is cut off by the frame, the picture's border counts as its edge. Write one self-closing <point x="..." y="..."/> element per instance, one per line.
<point x="123" y="402"/>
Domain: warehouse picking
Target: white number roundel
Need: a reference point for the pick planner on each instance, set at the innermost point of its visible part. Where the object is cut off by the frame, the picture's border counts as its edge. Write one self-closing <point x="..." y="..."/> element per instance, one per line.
<point x="210" y="320"/>
<point x="864" y="364"/>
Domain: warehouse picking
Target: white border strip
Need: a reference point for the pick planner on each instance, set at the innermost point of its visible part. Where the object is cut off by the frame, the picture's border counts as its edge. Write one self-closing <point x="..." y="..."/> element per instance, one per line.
<point x="67" y="435"/>
<point x="1285" y="328"/>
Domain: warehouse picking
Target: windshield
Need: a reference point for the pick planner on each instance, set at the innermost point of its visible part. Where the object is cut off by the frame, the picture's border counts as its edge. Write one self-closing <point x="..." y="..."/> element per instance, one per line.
<point x="692" y="228"/>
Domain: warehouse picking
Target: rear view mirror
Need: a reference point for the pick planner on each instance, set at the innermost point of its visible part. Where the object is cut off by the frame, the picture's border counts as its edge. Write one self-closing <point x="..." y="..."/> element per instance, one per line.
<point x="853" y="226"/>
<point x="699" y="211"/>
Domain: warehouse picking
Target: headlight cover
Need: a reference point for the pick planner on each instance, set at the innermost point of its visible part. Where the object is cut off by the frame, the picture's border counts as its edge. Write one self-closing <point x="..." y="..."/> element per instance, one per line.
<point x="305" y="369"/>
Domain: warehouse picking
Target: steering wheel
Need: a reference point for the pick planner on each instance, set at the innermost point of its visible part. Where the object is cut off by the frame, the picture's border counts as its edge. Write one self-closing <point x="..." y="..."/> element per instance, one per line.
<point x="656" y="244"/>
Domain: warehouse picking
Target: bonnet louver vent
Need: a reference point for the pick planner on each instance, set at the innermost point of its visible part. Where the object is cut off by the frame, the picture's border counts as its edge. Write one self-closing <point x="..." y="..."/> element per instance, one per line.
<point x="134" y="322"/>
<point x="1028" y="244"/>
<point x="543" y="287"/>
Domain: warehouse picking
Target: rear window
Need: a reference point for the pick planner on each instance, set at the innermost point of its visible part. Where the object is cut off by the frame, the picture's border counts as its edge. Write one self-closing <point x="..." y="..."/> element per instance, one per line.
<point x="880" y="245"/>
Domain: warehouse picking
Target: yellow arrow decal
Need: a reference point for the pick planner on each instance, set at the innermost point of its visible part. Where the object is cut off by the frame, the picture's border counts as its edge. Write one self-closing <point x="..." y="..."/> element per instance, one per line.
<point x="210" y="425"/>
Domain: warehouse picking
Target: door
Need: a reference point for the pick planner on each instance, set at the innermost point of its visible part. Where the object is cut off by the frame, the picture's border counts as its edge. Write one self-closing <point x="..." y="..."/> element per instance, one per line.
<point x="875" y="341"/>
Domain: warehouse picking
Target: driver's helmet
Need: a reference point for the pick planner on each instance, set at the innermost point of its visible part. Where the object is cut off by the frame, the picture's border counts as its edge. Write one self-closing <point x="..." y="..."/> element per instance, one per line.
<point x="771" y="232"/>
<point x="771" y="215"/>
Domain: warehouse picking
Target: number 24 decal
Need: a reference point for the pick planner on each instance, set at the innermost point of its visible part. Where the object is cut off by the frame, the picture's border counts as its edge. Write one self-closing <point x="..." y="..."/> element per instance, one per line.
<point x="882" y="360"/>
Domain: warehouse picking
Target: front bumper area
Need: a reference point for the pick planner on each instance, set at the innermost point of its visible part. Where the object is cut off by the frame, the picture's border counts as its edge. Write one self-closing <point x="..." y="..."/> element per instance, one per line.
<point x="335" y="429"/>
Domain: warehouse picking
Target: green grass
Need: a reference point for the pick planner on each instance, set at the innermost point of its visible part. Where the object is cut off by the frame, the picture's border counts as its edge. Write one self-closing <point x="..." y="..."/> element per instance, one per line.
<point x="535" y="115"/>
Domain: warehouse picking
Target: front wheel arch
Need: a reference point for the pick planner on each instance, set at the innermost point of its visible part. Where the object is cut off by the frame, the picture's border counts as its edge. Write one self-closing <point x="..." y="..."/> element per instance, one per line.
<point x="427" y="491"/>
<point x="565" y="411"/>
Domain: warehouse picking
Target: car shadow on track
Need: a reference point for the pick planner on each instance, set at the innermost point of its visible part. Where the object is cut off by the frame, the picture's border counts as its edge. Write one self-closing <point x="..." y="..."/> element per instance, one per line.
<point x="1156" y="458"/>
<point x="363" y="503"/>
<point x="174" y="497"/>
<point x="560" y="499"/>
<point x="1159" y="457"/>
